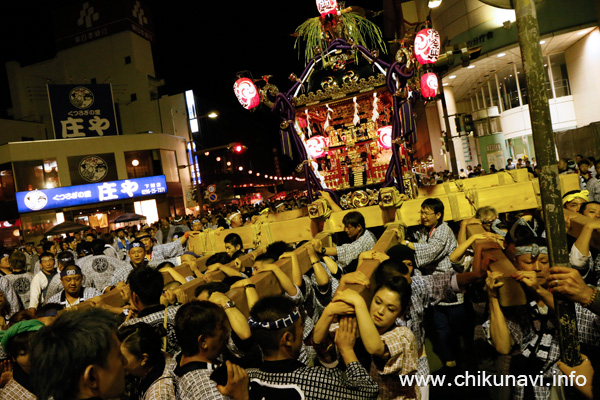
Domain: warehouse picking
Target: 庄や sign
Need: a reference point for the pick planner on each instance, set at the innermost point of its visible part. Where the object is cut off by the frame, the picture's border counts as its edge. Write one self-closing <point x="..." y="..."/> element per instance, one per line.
<point x="69" y="196"/>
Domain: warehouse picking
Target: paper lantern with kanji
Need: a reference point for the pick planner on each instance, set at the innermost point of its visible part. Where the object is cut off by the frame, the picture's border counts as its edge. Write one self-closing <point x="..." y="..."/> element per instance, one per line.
<point x="246" y="93"/>
<point x="316" y="146"/>
<point x="429" y="85"/>
<point x="385" y="137"/>
<point x="327" y="7"/>
<point x="427" y="46"/>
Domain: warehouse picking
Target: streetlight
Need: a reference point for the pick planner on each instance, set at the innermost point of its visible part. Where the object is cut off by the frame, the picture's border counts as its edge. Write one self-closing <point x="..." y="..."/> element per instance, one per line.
<point x="135" y="163"/>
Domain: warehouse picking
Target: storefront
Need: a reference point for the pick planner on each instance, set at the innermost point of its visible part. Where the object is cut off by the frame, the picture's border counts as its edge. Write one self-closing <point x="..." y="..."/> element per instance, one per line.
<point x="96" y="205"/>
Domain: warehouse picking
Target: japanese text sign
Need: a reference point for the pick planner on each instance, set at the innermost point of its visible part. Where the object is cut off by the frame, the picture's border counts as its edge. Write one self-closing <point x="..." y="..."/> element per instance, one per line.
<point x="82" y="111"/>
<point x="69" y="196"/>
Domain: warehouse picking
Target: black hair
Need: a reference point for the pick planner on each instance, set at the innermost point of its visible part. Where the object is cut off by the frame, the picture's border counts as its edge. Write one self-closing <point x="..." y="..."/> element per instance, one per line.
<point x="98" y="246"/>
<point x="55" y="368"/>
<point x="85" y="248"/>
<point x="234" y="239"/>
<point x="19" y="344"/>
<point x="221" y="258"/>
<point x="195" y="319"/>
<point x="300" y="243"/>
<point x="107" y="238"/>
<point x="389" y="269"/>
<point x="22" y="315"/>
<point x="570" y="192"/>
<point x="47" y="246"/>
<point x="400" y="285"/>
<point x="17" y="260"/>
<point x="142" y="338"/>
<point x="584" y="161"/>
<point x="435" y="205"/>
<point x="211" y="287"/>
<point x="65" y="255"/>
<point x="165" y="264"/>
<point x="147" y="283"/>
<point x="237" y="254"/>
<point x="266" y="257"/>
<point x="230" y="280"/>
<point x="269" y="309"/>
<point x="278" y="248"/>
<point x="351" y="267"/>
<point x="401" y="252"/>
<point x="48" y="310"/>
<point x="222" y="223"/>
<point x="584" y="205"/>
<point x="46" y="254"/>
<point x="355" y="219"/>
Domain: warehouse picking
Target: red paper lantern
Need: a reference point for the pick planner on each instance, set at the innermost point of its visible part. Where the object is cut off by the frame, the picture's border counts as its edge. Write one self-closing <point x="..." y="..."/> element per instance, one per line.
<point x="427" y="46"/>
<point x="316" y="146"/>
<point x="327" y="7"/>
<point x="429" y="85"/>
<point x="246" y="93"/>
<point x="385" y="137"/>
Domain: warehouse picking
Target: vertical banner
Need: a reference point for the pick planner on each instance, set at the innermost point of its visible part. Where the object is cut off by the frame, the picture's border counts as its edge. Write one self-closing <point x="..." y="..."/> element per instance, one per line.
<point x="82" y="111"/>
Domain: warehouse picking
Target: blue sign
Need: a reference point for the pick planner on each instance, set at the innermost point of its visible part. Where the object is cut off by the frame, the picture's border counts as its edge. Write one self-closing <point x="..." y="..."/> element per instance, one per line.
<point x="70" y="196"/>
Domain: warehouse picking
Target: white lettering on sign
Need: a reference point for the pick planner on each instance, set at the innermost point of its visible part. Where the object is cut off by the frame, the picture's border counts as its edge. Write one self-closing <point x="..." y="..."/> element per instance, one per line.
<point x="71" y="128"/>
<point x="108" y="191"/>
<point x="129" y="187"/>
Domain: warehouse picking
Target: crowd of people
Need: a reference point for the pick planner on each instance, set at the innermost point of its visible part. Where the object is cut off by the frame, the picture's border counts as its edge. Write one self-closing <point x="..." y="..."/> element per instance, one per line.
<point x="333" y="333"/>
<point x="584" y="167"/>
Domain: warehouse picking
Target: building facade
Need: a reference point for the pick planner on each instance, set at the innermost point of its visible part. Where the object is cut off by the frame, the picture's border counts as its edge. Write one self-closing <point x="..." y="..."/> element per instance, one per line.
<point x="492" y="89"/>
<point x="104" y="56"/>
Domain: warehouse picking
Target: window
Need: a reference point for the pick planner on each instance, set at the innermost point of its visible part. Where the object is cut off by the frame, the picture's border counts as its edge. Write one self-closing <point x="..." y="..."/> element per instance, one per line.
<point x="522" y="83"/>
<point x="36" y="174"/>
<point x="143" y="163"/>
<point x="508" y="87"/>
<point x="560" y="77"/>
<point x="7" y="183"/>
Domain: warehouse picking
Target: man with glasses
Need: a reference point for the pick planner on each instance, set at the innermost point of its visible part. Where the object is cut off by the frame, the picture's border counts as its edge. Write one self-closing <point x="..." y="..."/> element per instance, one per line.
<point x="433" y="243"/>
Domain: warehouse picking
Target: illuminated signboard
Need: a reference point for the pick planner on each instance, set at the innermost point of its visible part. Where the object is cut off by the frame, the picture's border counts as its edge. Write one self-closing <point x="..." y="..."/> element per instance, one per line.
<point x="70" y="196"/>
<point x="80" y="111"/>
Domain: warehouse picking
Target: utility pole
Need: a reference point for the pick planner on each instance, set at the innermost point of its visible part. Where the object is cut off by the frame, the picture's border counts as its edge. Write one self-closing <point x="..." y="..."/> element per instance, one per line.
<point x="549" y="180"/>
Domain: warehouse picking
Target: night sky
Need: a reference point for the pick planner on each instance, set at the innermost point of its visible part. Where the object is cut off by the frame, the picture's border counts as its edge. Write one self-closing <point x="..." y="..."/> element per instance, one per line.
<point x="199" y="45"/>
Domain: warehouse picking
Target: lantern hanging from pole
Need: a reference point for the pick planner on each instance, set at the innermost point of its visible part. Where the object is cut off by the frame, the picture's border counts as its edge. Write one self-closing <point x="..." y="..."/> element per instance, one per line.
<point x="429" y="85"/>
<point x="427" y="46"/>
<point x="315" y="146"/>
<point x="246" y="93"/>
<point x="326" y="7"/>
<point x="385" y="137"/>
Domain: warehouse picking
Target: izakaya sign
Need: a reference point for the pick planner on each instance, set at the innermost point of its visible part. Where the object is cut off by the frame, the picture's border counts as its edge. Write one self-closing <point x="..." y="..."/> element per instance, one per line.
<point x="82" y="111"/>
<point x="70" y="196"/>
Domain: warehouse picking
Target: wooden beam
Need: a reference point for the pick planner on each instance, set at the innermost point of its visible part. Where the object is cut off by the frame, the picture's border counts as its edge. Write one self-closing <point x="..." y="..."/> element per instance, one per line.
<point x="489" y="253"/>
<point x="522" y="195"/>
<point x="576" y="223"/>
<point x="485" y="181"/>
<point x="393" y="235"/>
